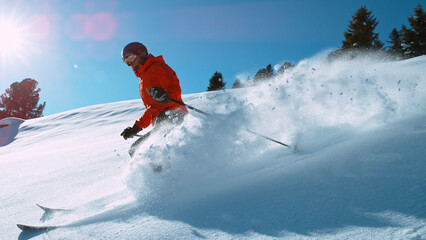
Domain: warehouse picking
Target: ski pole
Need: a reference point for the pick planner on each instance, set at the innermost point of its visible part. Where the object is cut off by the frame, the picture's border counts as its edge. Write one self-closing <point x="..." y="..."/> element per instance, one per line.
<point x="186" y="105"/>
<point x="210" y="115"/>
<point x="268" y="138"/>
<point x="193" y="108"/>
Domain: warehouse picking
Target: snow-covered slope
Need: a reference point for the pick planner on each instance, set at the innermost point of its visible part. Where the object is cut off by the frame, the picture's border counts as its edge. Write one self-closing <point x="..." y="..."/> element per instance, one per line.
<point x="359" y="171"/>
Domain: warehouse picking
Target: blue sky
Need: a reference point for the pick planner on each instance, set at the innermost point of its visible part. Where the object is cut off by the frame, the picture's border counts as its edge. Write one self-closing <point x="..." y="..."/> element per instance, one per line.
<point x="72" y="48"/>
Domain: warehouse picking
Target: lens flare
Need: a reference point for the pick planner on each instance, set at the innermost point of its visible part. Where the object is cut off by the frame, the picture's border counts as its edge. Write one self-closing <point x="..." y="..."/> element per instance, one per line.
<point x="99" y="26"/>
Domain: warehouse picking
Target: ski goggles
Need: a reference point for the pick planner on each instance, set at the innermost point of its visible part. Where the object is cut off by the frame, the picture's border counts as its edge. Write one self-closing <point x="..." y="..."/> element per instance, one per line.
<point x="129" y="59"/>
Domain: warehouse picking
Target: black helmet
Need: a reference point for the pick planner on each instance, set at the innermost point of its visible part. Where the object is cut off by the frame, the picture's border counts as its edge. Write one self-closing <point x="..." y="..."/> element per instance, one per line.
<point x="134" y="48"/>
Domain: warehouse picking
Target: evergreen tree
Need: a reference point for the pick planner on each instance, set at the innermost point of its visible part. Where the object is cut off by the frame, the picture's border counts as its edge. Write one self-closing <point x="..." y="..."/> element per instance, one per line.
<point x="407" y="39"/>
<point x="264" y="74"/>
<point x="360" y="33"/>
<point x="216" y="82"/>
<point x="2" y="115"/>
<point x="269" y="72"/>
<point x="414" y="39"/>
<point x="237" y="83"/>
<point x="248" y="82"/>
<point x="284" y="67"/>
<point x="396" y="42"/>
<point x="21" y="100"/>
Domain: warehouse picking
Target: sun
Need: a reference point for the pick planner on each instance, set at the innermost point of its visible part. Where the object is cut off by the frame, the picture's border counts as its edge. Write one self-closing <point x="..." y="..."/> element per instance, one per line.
<point x="13" y="38"/>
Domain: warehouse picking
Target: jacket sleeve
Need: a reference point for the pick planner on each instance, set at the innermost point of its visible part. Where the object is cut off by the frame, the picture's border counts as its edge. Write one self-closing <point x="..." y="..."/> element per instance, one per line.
<point x="145" y="120"/>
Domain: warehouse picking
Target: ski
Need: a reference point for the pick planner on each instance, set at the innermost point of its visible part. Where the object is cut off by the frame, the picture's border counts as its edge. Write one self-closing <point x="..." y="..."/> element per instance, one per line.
<point x="50" y="212"/>
<point x="77" y="222"/>
<point x="25" y="227"/>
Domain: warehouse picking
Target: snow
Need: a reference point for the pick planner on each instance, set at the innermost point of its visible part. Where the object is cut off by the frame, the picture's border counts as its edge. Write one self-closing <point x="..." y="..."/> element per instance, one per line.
<point x="8" y="130"/>
<point x="359" y="171"/>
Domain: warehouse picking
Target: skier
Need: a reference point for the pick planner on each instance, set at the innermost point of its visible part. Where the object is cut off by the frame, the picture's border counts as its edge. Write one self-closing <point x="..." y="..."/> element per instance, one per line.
<point x="157" y="85"/>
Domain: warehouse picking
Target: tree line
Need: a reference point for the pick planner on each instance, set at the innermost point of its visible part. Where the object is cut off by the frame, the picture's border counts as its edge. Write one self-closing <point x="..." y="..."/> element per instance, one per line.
<point x="359" y="38"/>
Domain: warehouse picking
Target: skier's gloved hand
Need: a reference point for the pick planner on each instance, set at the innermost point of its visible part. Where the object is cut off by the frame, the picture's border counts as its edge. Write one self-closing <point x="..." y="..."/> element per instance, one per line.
<point x="130" y="132"/>
<point x="158" y="94"/>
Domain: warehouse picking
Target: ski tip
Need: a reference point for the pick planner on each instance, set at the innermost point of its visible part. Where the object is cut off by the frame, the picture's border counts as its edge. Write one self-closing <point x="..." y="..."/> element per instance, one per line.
<point x="38" y="205"/>
<point x="24" y="227"/>
<point x="46" y="209"/>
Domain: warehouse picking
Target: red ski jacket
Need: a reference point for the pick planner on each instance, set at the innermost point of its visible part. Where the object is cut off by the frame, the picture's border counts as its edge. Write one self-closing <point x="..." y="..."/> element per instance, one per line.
<point x="155" y="72"/>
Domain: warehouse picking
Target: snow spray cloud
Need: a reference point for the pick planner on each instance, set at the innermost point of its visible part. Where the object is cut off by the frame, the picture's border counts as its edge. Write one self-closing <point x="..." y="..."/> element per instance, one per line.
<point x="197" y="157"/>
<point x="314" y="104"/>
<point x="363" y="92"/>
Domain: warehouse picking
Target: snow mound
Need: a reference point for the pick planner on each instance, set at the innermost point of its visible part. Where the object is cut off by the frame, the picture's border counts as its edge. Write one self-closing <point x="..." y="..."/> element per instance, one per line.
<point x="9" y="129"/>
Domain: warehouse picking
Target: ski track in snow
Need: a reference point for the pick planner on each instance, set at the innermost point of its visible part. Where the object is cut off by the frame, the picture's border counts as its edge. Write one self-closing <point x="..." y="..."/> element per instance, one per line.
<point x="358" y="172"/>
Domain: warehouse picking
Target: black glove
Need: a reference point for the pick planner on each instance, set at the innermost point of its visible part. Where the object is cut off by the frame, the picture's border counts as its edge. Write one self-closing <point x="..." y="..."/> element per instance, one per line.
<point x="158" y="94"/>
<point x="130" y="132"/>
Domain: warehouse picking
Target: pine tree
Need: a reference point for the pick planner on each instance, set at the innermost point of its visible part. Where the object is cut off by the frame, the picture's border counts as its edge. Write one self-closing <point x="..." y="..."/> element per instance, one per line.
<point x="21" y="100"/>
<point x="414" y="39"/>
<point x="237" y="83"/>
<point x="284" y="67"/>
<point x="248" y="82"/>
<point x="216" y="82"/>
<point x="269" y="72"/>
<point x="264" y="74"/>
<point x="360" y="33"/>
<point x="396" y="42"/>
